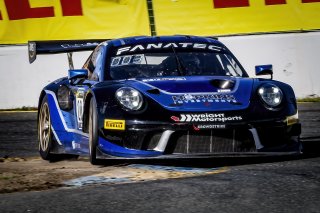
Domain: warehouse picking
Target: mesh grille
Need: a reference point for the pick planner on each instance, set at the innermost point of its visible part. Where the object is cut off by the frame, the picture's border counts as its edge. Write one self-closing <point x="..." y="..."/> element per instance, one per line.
<point x="215" y="141"/>
<point x="189" y="142"/>
<point x="142" y="140"/>
<point x="154" y="139"/>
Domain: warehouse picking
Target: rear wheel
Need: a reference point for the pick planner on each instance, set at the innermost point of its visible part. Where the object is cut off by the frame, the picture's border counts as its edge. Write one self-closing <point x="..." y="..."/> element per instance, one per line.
<point x="93" y="132"/>
<point x="45" y="131"/>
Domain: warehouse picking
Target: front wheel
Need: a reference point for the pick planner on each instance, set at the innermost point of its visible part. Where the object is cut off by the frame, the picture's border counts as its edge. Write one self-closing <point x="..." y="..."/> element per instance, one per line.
<point x="93" y="132"/>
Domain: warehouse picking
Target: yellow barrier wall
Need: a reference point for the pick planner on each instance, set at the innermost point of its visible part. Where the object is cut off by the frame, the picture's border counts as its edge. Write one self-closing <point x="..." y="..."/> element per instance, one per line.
<point x="23" y="20"/>
<point x="225" y="17"/>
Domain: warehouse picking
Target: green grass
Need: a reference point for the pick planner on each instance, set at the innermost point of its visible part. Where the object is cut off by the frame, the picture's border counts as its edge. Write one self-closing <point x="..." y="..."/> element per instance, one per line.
<point x="309" y="99"/>
<point x="7" y="177"/>
<point x="20" y="109"/>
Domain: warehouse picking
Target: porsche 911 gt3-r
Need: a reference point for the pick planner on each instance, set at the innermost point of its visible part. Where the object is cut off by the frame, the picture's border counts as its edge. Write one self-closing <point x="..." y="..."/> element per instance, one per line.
<point x="165" y="96"/>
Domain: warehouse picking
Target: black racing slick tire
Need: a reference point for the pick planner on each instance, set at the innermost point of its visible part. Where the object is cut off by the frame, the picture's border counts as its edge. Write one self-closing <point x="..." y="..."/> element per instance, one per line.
<point x="45" y="131"/>
<point x="93" y="132"/>
<point x="298" y="146"/>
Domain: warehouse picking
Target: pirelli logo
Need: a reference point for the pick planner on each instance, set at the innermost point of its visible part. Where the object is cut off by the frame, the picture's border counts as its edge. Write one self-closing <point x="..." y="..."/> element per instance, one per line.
<point x="114" y="124"/>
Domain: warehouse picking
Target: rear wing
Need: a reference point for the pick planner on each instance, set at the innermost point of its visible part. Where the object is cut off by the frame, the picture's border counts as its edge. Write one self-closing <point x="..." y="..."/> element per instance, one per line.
<point x="64" y="46"/>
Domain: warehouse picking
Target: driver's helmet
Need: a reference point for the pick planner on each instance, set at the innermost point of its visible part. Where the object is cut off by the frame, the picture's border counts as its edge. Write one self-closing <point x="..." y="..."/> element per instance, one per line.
<point x="192" y="64"/>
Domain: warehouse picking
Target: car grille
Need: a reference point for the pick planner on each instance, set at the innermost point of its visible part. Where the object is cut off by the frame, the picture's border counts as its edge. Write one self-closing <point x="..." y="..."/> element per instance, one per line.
<point x="189" y="142"/>
<point x="215" y="141"/>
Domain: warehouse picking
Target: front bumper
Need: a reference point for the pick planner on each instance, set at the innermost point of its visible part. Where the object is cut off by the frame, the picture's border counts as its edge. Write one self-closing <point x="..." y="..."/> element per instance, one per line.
<point x="142" y="139"/>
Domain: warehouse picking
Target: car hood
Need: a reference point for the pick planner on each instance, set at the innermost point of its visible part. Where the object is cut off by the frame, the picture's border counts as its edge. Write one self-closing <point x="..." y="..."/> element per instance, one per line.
<point x="197" y="93"/>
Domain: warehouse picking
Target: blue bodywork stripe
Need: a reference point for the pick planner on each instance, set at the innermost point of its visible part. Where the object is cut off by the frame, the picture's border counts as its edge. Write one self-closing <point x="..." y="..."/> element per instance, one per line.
<point x="115" y="150"/>
<point x="64" y="134"/>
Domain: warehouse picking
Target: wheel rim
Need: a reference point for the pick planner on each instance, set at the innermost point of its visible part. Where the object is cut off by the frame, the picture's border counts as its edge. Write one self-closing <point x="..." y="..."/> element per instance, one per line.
<point x="44" y="126"/>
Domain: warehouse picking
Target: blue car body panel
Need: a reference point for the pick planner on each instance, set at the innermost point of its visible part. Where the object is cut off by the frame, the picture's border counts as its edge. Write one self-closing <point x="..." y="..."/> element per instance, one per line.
<point x="197" y="86"/>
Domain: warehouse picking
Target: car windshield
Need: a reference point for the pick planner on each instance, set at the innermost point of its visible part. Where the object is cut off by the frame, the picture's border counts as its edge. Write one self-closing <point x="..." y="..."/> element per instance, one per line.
<point x="174" y="63"/>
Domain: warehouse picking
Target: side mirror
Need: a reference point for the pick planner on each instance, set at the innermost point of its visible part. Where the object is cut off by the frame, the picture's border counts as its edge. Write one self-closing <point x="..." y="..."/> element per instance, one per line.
<point x="77" y="74"/>
<point x="264" y="70"/>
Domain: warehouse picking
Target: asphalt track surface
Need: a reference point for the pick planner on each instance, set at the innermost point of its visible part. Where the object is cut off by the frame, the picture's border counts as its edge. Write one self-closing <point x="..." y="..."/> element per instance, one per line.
<point x="245" y="185"/>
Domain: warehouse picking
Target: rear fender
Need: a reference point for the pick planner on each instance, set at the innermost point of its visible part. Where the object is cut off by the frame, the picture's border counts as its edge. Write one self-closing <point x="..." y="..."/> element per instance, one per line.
<point x="42" y="94"/>
<point x="86" y="112"/>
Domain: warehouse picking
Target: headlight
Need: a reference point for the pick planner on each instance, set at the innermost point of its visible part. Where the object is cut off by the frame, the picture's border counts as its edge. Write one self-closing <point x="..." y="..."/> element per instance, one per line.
<point x="271" y="95"/>
<point x="129" y="98"/>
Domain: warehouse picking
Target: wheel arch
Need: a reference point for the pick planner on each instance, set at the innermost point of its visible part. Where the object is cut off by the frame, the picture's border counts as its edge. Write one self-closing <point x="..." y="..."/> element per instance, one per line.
<point x="86" y="108"/>
<point x="41" y="97"/>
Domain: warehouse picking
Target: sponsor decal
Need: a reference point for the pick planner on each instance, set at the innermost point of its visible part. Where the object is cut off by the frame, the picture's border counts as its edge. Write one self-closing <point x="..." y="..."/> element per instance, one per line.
<point x="75" y="145"/>
<point x="141" y="47"/>
<point x="164" y="79"/>
<point x="27" y="11"/>
<point x="175" y="118"/>
<point x="79" y="107"/>
<point x="32" y="49"/>
<point x="206" y="117"/>
<point x="67" y="46"/>
<point x="209" y="126"/>
<point x="114" y="124"/>
<point x="198" y="98"/>
<point x="224" y="90"/>
<point x="127" y="60"/>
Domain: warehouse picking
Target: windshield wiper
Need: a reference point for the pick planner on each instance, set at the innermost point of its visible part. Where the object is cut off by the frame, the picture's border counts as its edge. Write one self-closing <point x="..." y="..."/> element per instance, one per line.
<point x="181" y="68"/>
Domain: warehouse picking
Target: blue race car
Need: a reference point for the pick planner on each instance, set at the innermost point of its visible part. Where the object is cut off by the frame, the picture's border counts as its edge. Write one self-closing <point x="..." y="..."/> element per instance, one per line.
<point x="164" y="96"/>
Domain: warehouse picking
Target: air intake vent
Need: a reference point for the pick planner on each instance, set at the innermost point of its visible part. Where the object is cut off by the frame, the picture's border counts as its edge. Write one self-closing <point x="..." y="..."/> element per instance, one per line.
<point x="154" y="91"/>
<point x="215" y="141"/>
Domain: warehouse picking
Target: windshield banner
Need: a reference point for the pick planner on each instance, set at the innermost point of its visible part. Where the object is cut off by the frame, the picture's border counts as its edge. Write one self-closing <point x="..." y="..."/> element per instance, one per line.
<point x="228" y="17"/>
<point x="23" y="20"/>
